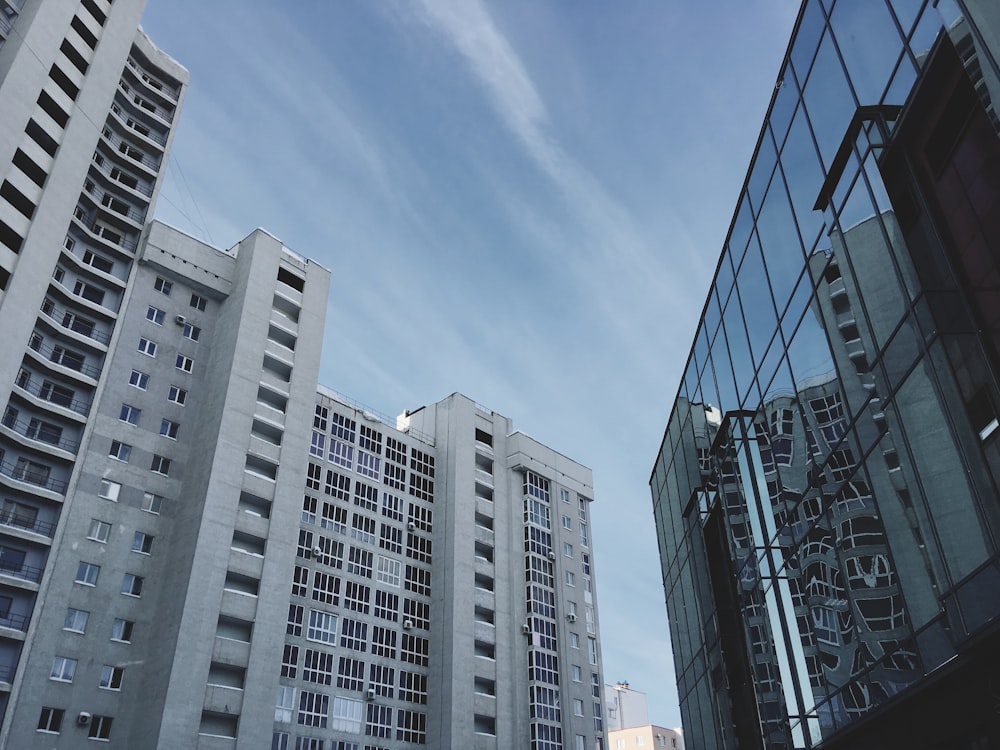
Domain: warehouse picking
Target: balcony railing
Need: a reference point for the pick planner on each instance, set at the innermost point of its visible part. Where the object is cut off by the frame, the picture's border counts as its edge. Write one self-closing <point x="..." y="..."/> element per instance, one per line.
<point x="35" y="431"/>
<point x="45" y="392"/>
<point x="65" y="359"/>
<point x="68" y="320"/>
<point x="153" y="83"/>
<point x="14" y="622"/>
<point x="28" y="523"/>
<point x="24" y="572"/>
<point x="106" y="170"/>
<point x="32" y="475"/>
<point x="117" y="141"/>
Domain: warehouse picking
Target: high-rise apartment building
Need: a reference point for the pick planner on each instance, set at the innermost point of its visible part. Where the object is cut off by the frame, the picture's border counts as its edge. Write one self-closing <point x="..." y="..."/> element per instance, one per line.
<point x="200" y="546"/>
<point x="826" y="493"/>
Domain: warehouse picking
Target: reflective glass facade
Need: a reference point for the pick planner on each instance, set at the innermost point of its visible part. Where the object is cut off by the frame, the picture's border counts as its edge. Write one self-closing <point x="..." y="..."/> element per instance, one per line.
<point x="826" y="493"/>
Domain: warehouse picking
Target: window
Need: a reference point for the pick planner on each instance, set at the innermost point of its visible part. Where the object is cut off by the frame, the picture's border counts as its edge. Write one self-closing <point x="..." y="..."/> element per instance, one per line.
<point x="378" y="722"/>
<point x="185" y="364"/>
<point x="155" y="315"/>
<point x="567" y="549"/>
<point x="160" y="465"/>
<point x="350" y="674"/>
<point x="86" y="573"/>
<point x="109" y="490"/>
<point x="63" y="669"/>
<point x="50" y="720"/>
<point x="99" y="531"/>
<point x="142" y="543"/>
<point x="411" y="726"/>
<point x="294" y="624"/>
<point x="151" y="503"/>
<point x="567" y="522"/>
<point x="348" y="715"/>
<point x="360" y="562"/>
<point x="111" y="677"/>
<point x="198" y="303"/>
<point x="322" y="627"/>
<point x="120" y="451"/>
<point x="318" y="667"/>
<point x="577" y="673"/>
<point x="382" y="679"/>
<point x="147" y="347"/>
<point x="177" y="395"/>
<point x="284" y="705"/>
<point x="169" y="429"/>
<point x="570" y="578"/>
<point x="577" y="707"/>
<point x="574" y="640"/>
<point x="313" y="709"/>
<point x="412" y="687"/>
<point x="388" y="571"/>
<point x="592" y="650"/>
<point x="162" y="286"/>
<point x="564" y="495"/>
<point x="384" y="643"/>
<point x="76" y="620"/>
<point x="132" y="585"/>
<point x="584" y="535"/>
<point x="100" y="727"/>
<point x="129" y="414"/>
<point x="354" y="635"/>
<point x="138" y="380"/>
<point x="289" y="661"/>
<point x="121" y="630"/>
<point x="192" y="332"/>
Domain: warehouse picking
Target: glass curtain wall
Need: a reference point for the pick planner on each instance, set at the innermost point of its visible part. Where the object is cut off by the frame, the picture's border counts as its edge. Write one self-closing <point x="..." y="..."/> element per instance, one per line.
<point x="826" y="491"/>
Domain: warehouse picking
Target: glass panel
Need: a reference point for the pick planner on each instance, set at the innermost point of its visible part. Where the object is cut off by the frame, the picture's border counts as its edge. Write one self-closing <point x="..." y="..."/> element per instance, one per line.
<point x="803" y="175"/>
<point x="739" y="347"/>
<point x="723" y="374"/>
<point x="870" y="45"/>
<point x="763" y="167"/>
<point x="742" y="227"/>
<point x="779" y="239"/>
<point x="829" y="100"/>
<point x="784" y="107"/>
<point x="906" y="12"/>
<point x="807" y="38"/>
<point x="755" y="296"/>
<point x="809" y="354"/>
<point x="902" y="82"/>
<point x="927" y="30"/>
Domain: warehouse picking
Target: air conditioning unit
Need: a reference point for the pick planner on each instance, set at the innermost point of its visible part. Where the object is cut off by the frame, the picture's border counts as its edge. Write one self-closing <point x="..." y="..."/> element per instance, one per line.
<point x="407" y="624"/>
<point x="83" y="719"/>
<point x="571" y="617"/>
<point x="411" y="526"/>
<point x="552" y="555"/>
<point x="370" y="695"/>
<point x="526" y="628"/>
<point x="317" y="551"/>
<point x="180" y="320"/>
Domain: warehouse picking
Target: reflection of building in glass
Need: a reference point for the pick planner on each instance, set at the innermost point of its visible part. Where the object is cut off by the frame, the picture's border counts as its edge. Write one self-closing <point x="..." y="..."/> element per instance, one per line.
<point x="826" y="493"/>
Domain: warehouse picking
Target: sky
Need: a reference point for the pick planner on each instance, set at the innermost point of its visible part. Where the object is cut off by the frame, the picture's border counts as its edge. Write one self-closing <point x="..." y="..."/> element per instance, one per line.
<point x="521" y="201"/>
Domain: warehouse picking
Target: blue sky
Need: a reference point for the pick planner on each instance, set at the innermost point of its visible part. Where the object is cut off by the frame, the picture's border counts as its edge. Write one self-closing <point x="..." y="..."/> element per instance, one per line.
<point x="520" y="201"/>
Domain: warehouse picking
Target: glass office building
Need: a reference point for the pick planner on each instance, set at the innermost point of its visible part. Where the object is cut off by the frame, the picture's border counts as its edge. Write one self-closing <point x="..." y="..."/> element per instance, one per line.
<point x="826" y="493"/>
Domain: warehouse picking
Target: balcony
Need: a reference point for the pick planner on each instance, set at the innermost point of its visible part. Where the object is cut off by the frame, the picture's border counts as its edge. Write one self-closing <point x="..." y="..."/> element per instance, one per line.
<point x="169" y="92"/>
<point x="53" y="394"/>
<point x="132" y="154"/>
<point x="40" y="432"/>
<point x="58" y="355"/>
<point x="27" y="523"/>
<point x="21" y="572"/>
<point x="73" y="322"/>
<point x="14" y="621"/>
<point x="29" y="472"/>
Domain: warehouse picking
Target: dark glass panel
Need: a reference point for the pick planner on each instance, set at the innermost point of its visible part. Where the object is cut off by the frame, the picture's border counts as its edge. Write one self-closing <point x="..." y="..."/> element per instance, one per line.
<point x="739" y="347"/>
<point x="742" y="227"/>
<point x="870" y="45"/>
<point x="809" y="353"/>
<point x="810" y="28"/>
<point x="906" y="13"/>
<point x="927" y="29"/>
<point x="755" y="296"/>
<point x="829" y="100"/>
<point x="721" y="363"/>
<point x="784" y="107"/>
<point x="763" y="167"/>
<point x="724" y="276"/>
<point x="779" y="240"/>
<point x="803" y="174"/>
<point x="901" y="84"/>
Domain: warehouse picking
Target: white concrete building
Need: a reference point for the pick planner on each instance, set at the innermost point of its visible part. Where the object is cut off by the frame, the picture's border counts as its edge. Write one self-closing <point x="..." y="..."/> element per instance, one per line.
<point x="199" y="546"/>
